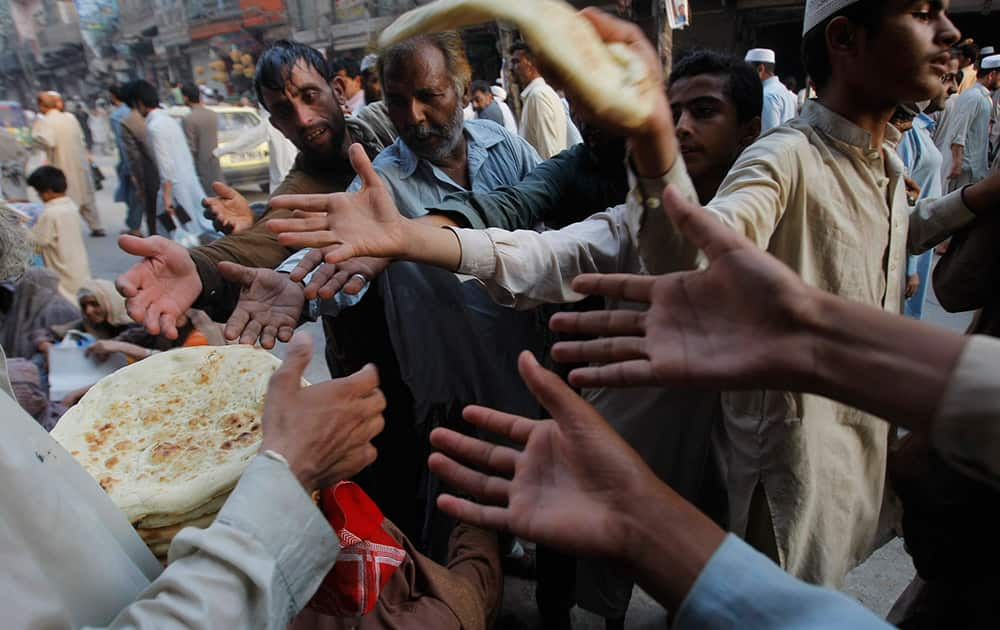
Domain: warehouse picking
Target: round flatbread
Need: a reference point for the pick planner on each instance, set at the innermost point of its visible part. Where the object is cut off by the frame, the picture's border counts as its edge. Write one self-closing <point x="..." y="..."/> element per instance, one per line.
<point x="169" y="436"/>
<point x="610" y="79"/>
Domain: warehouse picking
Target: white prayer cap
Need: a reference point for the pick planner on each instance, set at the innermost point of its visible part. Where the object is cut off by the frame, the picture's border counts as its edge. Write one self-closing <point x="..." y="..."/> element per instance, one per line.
<point x="819" y="10"/>
<point x="990" y="63"/>
<point x="986" y="51"/>
<point x="760" y="55"/>
<point x="498" y="92"/>
<point x="369" y="62"/>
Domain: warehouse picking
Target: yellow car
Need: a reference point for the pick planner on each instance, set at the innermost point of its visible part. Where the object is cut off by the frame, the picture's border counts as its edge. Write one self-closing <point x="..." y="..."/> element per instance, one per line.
<point x="248" y="167"/>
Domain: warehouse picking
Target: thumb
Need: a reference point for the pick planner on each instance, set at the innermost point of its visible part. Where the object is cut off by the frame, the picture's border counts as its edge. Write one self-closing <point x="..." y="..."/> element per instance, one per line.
<point x="137" y="246"/>
<point x="565" y="405"/>
<point x="236" y="273"/>
<point x="363" y="167"/>
<point x="701" y="227"/>
<point x="222" y="190"/>
<point x="289" y="375"/>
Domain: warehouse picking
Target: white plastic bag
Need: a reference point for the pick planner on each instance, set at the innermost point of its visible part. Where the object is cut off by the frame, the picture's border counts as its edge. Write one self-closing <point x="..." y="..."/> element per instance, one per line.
<point x="184" y="238"/>
<point x="70" y="369"/>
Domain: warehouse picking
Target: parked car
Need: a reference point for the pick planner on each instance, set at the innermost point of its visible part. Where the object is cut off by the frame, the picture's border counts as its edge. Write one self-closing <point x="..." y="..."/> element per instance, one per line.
<point x="243" y="169"/>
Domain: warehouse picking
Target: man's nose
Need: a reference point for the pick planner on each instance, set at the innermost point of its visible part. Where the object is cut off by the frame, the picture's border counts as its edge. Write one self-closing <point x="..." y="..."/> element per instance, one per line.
<point x="683" y="125"/>
<point x="303" y="115"/>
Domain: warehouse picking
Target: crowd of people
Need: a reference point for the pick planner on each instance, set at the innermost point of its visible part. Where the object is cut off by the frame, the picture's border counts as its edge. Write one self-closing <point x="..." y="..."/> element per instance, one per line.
<point x="708" y="306"/>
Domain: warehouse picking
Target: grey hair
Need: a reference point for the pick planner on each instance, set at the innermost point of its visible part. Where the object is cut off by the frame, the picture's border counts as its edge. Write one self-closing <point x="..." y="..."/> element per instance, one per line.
<point x="15" y="244"/>
<point x="448" y="42"/>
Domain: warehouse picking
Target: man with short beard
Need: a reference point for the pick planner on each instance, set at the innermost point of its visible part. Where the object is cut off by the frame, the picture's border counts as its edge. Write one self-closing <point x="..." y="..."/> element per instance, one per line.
<point x="293" y="82"/>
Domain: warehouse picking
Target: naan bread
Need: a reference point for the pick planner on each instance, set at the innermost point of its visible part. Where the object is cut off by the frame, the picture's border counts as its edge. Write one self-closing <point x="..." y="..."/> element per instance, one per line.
<point x="168" y="437"/>
<point x="609" y="78"/>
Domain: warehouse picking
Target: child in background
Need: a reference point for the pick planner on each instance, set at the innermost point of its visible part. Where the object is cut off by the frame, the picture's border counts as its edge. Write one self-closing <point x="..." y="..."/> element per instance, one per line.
<point x="57" y="235"/>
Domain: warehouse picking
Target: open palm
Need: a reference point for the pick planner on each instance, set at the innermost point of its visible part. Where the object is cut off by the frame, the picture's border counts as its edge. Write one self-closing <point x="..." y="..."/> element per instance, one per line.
<point x="568" y="487"/>
<point x="160" y="288"/>
<point x="269" y="308"/>
<point x="721" y="327"/>
<point x="347" y="225"/>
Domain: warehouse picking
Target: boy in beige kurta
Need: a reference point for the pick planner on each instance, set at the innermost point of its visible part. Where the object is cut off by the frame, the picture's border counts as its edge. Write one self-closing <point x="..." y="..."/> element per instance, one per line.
<point x="57" y="234"/>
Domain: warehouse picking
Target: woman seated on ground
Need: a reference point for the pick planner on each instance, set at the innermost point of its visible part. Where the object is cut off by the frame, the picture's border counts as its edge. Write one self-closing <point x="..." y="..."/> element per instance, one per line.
<point x="103" y="317"/>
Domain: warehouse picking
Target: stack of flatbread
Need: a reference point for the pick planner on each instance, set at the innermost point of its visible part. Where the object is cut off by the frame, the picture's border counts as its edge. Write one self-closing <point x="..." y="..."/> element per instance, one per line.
<point x="168" y="437"/>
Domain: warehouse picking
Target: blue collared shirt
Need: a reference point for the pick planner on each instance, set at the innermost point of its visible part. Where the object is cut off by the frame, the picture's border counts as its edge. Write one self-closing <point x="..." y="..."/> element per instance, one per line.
<point x="740" y="588"/>
<point x="496" y="158"/>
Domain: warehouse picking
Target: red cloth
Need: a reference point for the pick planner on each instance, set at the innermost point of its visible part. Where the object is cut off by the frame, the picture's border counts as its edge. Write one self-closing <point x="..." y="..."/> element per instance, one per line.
<point x="368" y="554"/>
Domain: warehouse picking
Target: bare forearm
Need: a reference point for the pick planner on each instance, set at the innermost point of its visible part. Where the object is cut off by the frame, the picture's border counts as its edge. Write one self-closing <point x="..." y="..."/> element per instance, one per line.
<point x="654" y="151"/>
<point x="672" y="544"/>
<point x="429" y="242"/>
<point x="957" y="155"/>
<point x="168" y="194"/>
<point x="893" y="367"/>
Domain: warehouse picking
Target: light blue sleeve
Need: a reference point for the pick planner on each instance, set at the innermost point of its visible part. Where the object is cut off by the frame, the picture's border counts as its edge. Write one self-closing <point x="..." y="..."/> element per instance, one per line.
<point x="770" y="116"/>
<point x="911" y="265"/>
<point x="740" y="588"/>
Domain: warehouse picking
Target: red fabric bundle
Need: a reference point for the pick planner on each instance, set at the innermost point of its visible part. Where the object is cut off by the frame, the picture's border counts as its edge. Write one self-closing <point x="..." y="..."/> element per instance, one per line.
<point x="368" y="554"/>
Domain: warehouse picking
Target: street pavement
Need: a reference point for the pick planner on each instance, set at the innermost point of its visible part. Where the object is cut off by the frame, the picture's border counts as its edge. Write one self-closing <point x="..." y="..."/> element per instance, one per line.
<point x="876" y="583"/>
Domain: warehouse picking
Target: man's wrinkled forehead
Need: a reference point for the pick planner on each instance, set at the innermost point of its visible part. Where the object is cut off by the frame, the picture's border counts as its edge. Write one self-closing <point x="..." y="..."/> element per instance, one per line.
<point x="301" y="76"/>
<point x="425" y="68"/>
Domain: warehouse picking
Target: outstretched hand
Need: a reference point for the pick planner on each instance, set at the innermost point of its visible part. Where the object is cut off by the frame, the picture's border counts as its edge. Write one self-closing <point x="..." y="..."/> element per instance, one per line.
<point x="324" y="430"/>
<point x="570" y="487"/>
<point x="732" y="325"/>
<point x="229" y="211"/>
<point x="270" y="305"/>
<point x="347" y="225"/>
<point x="159" y="289"/>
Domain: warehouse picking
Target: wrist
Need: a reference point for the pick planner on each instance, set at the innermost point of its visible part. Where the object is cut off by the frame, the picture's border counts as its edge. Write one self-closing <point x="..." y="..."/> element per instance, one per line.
<point x="670" y="543"/>
<point x="811" y="332"/>
<point x="654" y="149"/>
<point x="287" y="457"/>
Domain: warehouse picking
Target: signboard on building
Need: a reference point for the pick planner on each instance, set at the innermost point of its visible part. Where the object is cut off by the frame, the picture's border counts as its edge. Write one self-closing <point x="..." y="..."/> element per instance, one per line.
<point x="98" y="23"/>
<point x="22" y="14"/>
<point x="350" y="10"/>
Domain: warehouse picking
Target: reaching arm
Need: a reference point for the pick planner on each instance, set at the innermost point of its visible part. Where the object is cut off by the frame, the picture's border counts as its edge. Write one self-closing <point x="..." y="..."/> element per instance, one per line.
<point x="576" y="468"/>
<point x="709" y="329"/>
<point x="563" y="190"/>
<point x="964" y="278"/>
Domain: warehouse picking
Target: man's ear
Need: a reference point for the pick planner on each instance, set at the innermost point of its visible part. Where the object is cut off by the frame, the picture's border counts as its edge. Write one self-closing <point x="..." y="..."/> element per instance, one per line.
<point x="339" y="86"/>
<point x="751" y="131"/>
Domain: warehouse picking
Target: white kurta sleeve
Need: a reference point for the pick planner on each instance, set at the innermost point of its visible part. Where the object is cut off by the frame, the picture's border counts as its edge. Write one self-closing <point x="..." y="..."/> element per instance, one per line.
<point x="524" y="268"/>
<point x="256" y="566"/>
<point x="966" y="428"/>
<point x="933" y="220"/>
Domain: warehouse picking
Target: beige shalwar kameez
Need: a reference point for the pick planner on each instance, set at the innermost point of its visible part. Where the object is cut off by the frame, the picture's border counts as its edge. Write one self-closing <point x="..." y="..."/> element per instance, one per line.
<point x="59" y="134"/>
<point x="819" y="197"/>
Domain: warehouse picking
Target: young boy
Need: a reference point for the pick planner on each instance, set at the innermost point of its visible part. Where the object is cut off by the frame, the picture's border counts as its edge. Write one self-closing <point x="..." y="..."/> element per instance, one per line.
<point x="57" y="235"/>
